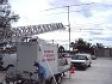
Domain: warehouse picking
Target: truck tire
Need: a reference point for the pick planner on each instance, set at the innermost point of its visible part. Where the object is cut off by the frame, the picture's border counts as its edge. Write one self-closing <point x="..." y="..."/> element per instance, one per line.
<point x="52" y="81"/>
<point x="47" y="81"/>
<point x="59" y="79"/>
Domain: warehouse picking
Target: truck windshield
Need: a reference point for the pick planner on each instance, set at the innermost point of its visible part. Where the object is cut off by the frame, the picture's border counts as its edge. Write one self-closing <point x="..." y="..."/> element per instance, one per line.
<point x="79" y="57"/>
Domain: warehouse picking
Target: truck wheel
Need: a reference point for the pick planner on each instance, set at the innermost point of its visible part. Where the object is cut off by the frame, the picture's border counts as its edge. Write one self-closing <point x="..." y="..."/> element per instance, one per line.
<point x="59" y="79"/>
<point x="52" y="81"/>
<point x="47" y="81"/>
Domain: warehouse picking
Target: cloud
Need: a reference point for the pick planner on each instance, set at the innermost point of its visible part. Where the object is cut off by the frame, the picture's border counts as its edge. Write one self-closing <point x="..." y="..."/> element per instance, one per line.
<point x="104" y="38"/>
<point x="29" y="10"/>
<point x="85" y="10"/>
<point x="95" y="32"/>
<point x="85" y="1"/>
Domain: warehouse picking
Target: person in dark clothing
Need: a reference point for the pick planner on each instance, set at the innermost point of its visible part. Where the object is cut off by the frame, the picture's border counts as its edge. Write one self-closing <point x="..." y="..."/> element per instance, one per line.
<point x="41" y="72"/>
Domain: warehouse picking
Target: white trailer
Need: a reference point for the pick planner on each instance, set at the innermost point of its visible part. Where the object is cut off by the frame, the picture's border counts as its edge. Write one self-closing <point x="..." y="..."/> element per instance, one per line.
<point x="46" y="54"/>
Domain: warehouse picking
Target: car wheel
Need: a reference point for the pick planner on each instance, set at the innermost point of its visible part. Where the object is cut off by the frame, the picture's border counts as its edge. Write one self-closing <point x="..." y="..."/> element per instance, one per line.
<point x="84" y="67"/>
<point x="89" y="65"/>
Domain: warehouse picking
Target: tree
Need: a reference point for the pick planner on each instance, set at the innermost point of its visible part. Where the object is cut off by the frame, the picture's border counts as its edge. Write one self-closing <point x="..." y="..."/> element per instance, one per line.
<point x="61" y="49"/>
<point x="6" y="19"/>
<point x="80" y="44"/>
<point x="72" y="44"/>
<point x="99" y="45"/>
<point x="83" y="46"/>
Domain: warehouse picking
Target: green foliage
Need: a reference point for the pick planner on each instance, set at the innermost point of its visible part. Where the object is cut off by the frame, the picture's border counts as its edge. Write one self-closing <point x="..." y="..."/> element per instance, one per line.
<point x="99" y="45"/>
<point x="61" y="49"/>
<point x="82" y="46"/>
<point x="6" y="19"/>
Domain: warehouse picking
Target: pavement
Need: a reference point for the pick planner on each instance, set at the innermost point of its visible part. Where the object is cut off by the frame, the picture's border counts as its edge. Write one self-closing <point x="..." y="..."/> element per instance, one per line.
<point x="2" y="77"/>
<point x="99" y="73"/>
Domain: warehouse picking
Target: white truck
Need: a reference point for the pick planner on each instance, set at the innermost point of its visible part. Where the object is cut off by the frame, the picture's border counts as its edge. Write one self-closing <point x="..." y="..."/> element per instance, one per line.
<point x="46" y="54"/>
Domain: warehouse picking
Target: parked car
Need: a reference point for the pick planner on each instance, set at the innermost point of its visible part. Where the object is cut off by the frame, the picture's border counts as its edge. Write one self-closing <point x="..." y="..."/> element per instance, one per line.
<point x="81" y="60"/>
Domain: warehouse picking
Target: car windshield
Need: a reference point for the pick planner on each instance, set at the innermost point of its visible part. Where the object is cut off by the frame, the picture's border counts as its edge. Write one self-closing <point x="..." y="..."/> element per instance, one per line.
<point x="79" y="57"/>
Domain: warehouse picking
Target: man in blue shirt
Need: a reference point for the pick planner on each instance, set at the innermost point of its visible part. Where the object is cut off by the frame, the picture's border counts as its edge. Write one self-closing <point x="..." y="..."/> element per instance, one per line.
<point x="41" y="72"/>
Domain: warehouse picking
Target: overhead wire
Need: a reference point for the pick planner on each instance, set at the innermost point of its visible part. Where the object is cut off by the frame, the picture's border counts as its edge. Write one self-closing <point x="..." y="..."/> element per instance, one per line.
<point x="71" y="11"/>
<point x="61" y="13"/>
<point x="55" y="8"/>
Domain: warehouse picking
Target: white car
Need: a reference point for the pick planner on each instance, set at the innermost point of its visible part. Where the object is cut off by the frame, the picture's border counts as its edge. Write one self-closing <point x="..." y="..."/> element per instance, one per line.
<point x="81" y="60"/>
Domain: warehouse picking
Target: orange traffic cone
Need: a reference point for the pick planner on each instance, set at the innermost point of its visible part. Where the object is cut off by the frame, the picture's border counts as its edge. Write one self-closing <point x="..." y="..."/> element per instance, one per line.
<point x="72" y="70"/>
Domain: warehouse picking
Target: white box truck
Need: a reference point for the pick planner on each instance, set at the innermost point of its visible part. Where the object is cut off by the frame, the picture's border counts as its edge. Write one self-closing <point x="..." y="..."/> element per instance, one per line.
<point x="46" y="54"/>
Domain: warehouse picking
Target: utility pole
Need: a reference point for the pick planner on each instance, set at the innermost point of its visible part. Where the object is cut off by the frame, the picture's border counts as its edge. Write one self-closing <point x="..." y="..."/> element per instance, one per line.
<point x="68" y="17"/>
<point x="69" y="27"/>
<point x="69" y="30"/>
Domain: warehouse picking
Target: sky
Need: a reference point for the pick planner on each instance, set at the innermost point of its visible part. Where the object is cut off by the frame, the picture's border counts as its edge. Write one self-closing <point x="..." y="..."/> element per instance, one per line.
<point x="92" y="22"/>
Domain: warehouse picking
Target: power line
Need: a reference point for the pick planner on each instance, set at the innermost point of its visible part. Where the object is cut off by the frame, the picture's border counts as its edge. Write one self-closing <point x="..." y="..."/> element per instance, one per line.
<point x="68" y="16"/>
<point x="83" y="4"/>
<point x="61" y="13"/>
<point x="89" y="29"/>
<point x="85" y="30"/>
<point x="66" y="6"/>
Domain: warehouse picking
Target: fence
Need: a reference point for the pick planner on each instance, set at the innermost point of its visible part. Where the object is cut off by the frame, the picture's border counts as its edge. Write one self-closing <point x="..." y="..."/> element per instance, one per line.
<point x="103" y="52"/>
